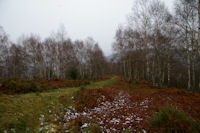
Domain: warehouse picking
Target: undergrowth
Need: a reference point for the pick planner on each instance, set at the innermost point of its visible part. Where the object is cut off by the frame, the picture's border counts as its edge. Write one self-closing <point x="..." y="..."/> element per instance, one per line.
<point x="18" y="86"/>
<point x="87" y="98"/>
<point x="22" y="112"/>
<point x="171" y="120"/>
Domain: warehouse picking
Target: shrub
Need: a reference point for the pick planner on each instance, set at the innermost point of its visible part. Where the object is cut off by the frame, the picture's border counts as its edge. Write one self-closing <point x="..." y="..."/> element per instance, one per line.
<point x="170" y="120"/>
<point x="73" y="73"/>
<point x="83" y="99"/>
<point x="14" y="85"/>
<point x="35" y="87"/>
<point x="11" y="86"/>
<point x="22" y="87"/>
<point x="86" y="82"/>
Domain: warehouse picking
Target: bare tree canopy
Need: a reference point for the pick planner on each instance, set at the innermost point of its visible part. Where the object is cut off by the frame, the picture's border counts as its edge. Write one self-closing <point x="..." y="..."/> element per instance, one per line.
<point x="159" y="46"/>
<point x="54" y="58"/>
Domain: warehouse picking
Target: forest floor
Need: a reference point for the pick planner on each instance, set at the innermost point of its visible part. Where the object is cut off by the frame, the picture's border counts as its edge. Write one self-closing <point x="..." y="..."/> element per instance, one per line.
<point x="128" y="107"/>
<point x="27" y="112"/>
<point x="112" y="105"/>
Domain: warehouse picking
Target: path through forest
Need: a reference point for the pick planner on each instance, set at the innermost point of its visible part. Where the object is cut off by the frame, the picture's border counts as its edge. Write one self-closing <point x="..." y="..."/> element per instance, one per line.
<point x="112" y="116"/>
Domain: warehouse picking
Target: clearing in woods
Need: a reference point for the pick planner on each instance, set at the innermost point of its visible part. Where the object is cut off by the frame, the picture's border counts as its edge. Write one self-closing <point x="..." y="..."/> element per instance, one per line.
<point x="111" y="105"/>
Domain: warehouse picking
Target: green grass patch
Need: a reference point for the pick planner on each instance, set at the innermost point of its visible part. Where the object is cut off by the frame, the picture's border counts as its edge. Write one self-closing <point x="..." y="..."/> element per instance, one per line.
<point x="22" y="112"/>
<point x="100" y="84"/>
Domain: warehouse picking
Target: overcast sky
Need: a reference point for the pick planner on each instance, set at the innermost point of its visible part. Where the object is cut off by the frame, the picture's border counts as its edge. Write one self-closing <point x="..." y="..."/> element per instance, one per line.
<point x="82" y="18"/>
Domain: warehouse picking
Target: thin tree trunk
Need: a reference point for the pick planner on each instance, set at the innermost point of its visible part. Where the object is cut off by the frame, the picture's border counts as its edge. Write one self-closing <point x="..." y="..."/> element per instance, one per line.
<point x="146" y="52"/>
<point x="193" y="72"/>
<point x="163" y="76"/>
<point x="130" y="71"/>
<point x="159" y="72"/>
<point x="168" y="72"/>
<point x="199" y="30"/>
<point x="124" y="68"/>
<point x="198" y="44"/>
<point x="193" y="61"/>
<point x="153" y="72"/>
<point x="188" y="60"/>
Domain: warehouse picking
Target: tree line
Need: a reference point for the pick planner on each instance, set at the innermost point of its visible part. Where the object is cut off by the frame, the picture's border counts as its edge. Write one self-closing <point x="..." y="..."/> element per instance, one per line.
<point x="55" y="57"/>
<point x="156" y="45"/>
<point x="159" y="46"/>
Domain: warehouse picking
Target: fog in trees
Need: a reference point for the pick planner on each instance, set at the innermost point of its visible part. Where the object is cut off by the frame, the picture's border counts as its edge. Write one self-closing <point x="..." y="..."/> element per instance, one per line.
<point x="55" y="57"/>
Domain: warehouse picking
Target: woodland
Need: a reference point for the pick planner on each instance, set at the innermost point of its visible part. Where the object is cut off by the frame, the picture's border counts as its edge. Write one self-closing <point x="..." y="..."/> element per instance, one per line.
<point x="150" y="84"/>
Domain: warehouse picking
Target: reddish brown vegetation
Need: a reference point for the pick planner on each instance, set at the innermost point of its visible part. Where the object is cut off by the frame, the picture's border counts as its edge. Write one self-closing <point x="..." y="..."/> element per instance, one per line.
<point x="88" y="98"/>
<point x="14" y="85"/>
<point x="126" y="106"/>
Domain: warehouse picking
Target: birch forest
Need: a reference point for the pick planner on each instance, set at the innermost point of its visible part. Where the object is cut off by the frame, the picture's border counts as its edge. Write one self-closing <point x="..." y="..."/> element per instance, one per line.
<point x="161" y="47"/>
<point x="149" y="83"/>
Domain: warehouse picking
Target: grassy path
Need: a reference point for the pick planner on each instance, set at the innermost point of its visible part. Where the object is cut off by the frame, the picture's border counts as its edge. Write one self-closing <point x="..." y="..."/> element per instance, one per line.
<point x="123" y="106"/>
<point x="24" y="112"/>
<point x="100" y="84"/>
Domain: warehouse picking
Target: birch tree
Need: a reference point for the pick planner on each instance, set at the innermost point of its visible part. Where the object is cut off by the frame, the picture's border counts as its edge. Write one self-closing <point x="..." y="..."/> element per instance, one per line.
<point x="183" y="14"/>
<point x="140" y="19"/>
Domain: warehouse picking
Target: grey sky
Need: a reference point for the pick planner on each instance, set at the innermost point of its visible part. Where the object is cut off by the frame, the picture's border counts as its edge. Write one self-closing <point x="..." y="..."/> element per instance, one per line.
<point x="81" y="18"/>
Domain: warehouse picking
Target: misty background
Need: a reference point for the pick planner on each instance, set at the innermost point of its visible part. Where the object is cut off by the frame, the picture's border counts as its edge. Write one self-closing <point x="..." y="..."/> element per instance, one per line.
<point x="82" y="18"/>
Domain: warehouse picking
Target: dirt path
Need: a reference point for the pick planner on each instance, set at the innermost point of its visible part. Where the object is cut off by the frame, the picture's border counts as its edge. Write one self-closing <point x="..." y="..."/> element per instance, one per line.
<point x="114" y="116"/>
<point x="118" y="107"/>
